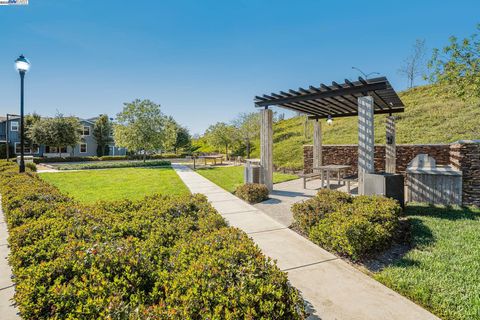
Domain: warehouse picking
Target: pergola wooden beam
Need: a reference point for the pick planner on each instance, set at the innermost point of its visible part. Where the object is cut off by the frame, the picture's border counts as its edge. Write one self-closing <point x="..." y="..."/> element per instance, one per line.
<point x="324" y="94"/>
<point x="362" y="98"/>
<point x="337" y="100"/>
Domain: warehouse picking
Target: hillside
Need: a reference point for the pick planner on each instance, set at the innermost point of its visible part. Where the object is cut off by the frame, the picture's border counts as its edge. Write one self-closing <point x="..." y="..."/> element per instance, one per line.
<point x="428" y="118"/>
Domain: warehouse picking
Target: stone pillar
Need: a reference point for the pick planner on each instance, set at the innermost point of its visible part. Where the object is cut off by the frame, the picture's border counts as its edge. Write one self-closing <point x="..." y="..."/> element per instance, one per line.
<point x="366" y="140"/>
<point x="390" y="147"/>
<point x="317" y="143"/>
<point x="266" y="148"/>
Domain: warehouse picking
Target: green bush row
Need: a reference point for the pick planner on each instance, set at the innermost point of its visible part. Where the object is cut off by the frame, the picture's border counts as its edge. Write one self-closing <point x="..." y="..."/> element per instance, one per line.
<point x="159" y="258"/>
<point x="114" y="164"/>
<point x="252" y="192"/>
<point x="350" y="226"/>
<point x="107" y="158"/>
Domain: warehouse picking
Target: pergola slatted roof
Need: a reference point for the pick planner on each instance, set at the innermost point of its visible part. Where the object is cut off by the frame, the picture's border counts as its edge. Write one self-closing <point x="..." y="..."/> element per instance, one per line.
<point x="337" y="100"/>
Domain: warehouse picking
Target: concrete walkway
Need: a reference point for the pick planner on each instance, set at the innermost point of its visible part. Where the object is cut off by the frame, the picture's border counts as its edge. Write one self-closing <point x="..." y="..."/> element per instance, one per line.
<point x="332" y="288"/>
<point x="285" y="194"/>
<point x="7" y="310"/>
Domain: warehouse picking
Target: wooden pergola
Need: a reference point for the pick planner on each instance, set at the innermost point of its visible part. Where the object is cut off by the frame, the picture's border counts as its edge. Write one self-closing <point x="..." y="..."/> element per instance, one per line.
<point x="362" y="98"/>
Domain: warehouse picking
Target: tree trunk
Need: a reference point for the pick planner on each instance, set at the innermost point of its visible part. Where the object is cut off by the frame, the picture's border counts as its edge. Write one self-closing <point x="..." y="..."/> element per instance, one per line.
<point x="60" y="151"/>
<point x="144" y="156"/>
<point x="248" y="149"/>
<point x="226" y="151"/>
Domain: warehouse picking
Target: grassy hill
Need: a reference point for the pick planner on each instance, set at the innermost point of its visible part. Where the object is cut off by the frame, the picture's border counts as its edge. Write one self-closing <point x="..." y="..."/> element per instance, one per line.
<point x="428" y="118"/>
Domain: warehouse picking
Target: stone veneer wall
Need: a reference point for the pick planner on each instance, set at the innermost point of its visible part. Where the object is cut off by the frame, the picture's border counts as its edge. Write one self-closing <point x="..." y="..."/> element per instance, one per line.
<point x="348" y="154"/>
<point x="464" y="155"/>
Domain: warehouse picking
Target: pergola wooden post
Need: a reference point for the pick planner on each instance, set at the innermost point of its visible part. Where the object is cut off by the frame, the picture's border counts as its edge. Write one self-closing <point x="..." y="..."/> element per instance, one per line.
<point x="317" y="144"/>
<point x="390" y="147"/>
<point x="362" y="98"/>
<point x="266" y="148"/>
<point x="366" y="140"/>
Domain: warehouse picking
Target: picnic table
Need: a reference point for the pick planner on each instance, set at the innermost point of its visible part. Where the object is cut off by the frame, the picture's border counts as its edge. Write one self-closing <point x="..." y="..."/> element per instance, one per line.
<point x="335" y="168"/>
<point x="212" y="157"/>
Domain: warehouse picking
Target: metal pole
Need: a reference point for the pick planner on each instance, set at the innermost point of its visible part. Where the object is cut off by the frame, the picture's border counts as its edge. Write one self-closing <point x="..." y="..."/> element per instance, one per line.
<point x="22" y="131"/>
<point x="6" y="139"/>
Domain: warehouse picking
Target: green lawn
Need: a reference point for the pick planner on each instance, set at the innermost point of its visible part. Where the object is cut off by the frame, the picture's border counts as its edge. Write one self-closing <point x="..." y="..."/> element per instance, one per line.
<point x="113" y="184"/>
<point x="442" y="271"/>
<point x="229" y="178"/>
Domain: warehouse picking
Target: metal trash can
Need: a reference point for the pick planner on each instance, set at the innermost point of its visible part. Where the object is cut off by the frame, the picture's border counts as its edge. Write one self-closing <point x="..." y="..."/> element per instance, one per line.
<point x="386" y="184"/>
<point x="252" y="171"/>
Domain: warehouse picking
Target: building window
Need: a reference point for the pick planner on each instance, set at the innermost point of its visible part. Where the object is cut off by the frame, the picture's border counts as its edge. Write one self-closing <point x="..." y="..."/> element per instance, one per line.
<point x="49" y="149"/>
<point x="83" y="148"/>
<point x="27" y="149"/>
<point x="14" y="126"/>
<point x="86" y="131"/>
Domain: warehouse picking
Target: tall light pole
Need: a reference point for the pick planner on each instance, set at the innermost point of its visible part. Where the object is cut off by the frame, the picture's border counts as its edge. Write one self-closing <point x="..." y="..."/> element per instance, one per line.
<point x="22" y="65"/>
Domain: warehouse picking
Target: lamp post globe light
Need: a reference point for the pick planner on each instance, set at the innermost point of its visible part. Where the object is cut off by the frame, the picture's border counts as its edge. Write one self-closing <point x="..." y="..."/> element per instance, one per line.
<point x="22" y="65"/>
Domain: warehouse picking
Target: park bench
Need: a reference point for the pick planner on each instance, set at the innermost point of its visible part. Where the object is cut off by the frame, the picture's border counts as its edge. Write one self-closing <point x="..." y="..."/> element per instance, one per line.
<point x="309" y="176"/>
<point x="349" y="179"/>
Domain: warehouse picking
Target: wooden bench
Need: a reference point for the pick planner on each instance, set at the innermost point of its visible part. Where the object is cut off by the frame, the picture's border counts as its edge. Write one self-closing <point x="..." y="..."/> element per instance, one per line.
<point x="309" y="176"/>
<point x="349" y="179"/>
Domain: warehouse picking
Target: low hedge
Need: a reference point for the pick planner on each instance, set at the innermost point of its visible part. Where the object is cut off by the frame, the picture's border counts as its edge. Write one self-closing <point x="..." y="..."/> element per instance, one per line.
<point x="108" y="158"/>
<point x="351" y="226"/>
<point x="113" y="164"/>
<point x="159" y="258"/>
<point x="252" y="192"/>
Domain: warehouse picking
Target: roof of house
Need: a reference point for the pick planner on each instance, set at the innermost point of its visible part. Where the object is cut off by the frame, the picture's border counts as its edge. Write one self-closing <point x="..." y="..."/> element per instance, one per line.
<point x="4" y="118"/>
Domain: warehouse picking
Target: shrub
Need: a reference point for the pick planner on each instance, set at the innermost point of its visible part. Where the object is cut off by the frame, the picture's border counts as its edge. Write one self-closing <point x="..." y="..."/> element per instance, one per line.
<point x="308" y="213"/>
<point x="161" y="257"/>
<point x="110" y="158"/>
<point x="63" y="159"/>
<point x="114" y="164"/>
<point x="32" y="166"/>
<point x="350" y="226"/>
<point x="252" y="192"/>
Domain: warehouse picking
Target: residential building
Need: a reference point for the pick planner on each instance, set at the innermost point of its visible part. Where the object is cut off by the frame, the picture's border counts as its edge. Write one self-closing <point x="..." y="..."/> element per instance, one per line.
<point x="10" y="133"/>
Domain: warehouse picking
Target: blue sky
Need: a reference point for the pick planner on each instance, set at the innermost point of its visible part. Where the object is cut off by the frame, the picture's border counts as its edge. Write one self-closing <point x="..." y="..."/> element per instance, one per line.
<point x="204" y="61"/>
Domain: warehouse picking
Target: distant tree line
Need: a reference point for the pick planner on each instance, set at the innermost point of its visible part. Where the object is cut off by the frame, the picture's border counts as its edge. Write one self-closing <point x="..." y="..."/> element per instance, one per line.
<point x="140" y="127"/>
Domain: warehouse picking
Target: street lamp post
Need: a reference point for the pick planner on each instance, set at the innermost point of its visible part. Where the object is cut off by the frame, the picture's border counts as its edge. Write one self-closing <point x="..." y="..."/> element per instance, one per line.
<point x="22" y="65"/>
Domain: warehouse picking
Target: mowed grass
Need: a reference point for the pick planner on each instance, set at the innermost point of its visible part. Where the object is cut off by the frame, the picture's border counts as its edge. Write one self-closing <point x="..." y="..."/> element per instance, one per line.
<point x="442" y="271"/>
<point x="113" y="184"/>
<point x="229" y="178"/>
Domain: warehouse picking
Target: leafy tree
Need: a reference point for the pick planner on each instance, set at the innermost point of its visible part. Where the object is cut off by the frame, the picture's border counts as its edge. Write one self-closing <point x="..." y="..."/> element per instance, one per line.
<point x="414" y="65"/>
<point x="171" y="128"/>
<point x="221" y="135"/>
<point x="458" y="66"/>
<point x="248" y="128"/>
<point x="30" y="119"/>
<point x="184" y="140"/>
<point x="176" y="136"/>
<point x="59" y="131"/>
<point x="102" y="132"/>
<point x="141" y="127"/>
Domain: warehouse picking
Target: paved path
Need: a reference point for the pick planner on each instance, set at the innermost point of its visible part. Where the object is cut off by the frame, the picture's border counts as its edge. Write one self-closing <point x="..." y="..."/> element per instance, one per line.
<point x="285" y="194"/>
<point x="332" y="288"/>
<point x="7" y="289"/>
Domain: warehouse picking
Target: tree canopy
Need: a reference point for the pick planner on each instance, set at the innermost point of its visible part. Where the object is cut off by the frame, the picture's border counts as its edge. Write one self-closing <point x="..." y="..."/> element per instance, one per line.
<point x="102" y="132"/>
<point x="59" y="131"/>
<point x="221" y="135"/>
<point x="247" y="126"/>
<point x="140" y="127"/>
<point x="458" y="66"/>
